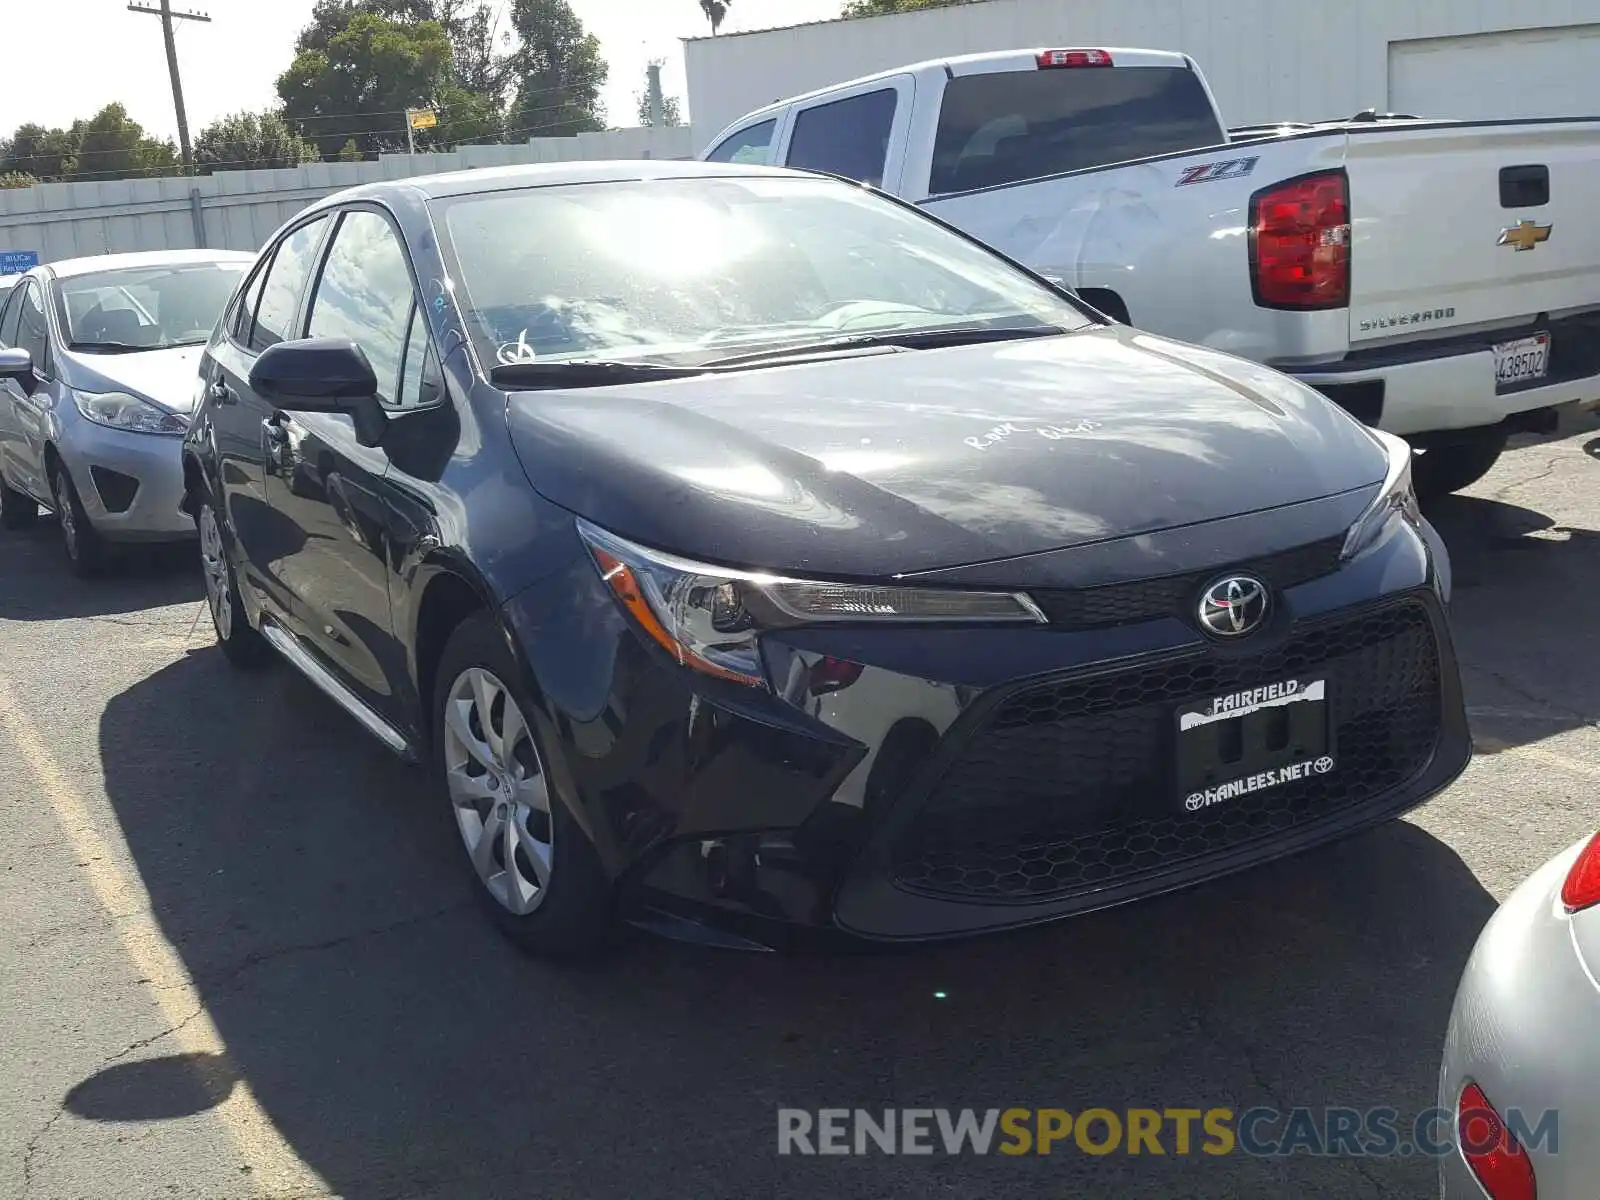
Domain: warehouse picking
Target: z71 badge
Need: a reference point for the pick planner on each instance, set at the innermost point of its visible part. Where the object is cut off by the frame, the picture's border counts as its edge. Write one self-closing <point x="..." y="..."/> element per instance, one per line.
<point x="1230" y="168"/>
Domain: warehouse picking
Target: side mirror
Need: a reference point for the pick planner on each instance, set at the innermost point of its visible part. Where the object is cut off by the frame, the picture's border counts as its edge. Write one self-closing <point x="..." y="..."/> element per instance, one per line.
<point x="16" y="363"/>
<point x="326" y="375"/>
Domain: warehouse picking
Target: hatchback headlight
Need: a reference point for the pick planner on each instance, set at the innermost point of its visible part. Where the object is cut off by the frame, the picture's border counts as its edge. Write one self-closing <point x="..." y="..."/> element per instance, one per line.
<point x="709" y="617"/>
<point x="119" y="410"/>
<point x="1397" y="499"/>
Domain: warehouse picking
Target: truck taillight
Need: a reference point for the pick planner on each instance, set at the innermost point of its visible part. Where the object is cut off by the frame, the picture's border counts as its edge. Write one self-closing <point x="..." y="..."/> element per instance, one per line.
<point x="1300" y="242"/>
<point x="1049" y="59"/>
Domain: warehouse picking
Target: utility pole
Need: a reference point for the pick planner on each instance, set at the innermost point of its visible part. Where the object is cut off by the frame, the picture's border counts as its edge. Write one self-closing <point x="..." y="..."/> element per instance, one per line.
<point x="167" y="16"/>
<point x="658" y="106"/>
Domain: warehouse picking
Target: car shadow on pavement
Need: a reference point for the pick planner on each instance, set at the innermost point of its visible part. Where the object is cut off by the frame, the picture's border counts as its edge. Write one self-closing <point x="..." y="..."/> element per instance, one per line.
<point x="37" y="583"/>
<point x="312" y="888"/>
<point x="1522" y="615"/>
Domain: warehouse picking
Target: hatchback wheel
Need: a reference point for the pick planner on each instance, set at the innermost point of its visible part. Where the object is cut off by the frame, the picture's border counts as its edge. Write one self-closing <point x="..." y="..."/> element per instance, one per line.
<point x="17" y="510"/>
<point x="242" y="645"/>
<point x="533" y="869"/>
<point x="86" y="549"/>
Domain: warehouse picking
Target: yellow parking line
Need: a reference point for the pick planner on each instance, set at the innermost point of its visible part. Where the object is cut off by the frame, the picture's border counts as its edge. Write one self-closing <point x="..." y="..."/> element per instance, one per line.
<point x="274" y="1166"/>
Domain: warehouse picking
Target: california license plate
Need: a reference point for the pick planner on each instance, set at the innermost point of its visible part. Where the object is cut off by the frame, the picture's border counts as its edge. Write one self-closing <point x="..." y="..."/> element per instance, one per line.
<point x="1519" y="361"/>
<point x="1252" y="740"/>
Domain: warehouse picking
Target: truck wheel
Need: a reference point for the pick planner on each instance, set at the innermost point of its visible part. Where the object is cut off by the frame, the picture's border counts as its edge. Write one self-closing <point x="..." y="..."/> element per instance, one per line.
<point x="1440" y="470"/>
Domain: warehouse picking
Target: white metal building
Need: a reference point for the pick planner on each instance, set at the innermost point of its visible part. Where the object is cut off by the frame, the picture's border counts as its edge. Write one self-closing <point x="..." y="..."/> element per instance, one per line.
<point x="1267" y="60"/>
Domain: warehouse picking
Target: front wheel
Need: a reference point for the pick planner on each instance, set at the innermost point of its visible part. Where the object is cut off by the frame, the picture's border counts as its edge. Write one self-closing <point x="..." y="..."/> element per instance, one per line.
<point x="241" y="645"/>
<point x="86" y="549"/>
<point x="1440" y="470"/>
<point x="533" y="869"/>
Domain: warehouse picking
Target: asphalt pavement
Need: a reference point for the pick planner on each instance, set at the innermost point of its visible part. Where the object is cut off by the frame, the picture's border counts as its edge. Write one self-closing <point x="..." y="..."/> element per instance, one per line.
<point x="237" y="957"/>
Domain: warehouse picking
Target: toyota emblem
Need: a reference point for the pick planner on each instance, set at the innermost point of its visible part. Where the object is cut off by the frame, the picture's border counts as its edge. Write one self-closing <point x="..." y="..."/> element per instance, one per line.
<point x="1234" y="606"/>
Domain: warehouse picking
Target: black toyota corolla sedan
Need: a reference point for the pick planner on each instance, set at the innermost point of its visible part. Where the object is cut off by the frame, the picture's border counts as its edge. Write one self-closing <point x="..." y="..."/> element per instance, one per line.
<point x="743" y="551"/>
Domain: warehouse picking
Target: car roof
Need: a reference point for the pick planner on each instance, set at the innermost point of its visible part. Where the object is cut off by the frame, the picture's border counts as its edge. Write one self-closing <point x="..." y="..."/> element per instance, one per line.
<point x="69" y="267"/>
<point x="504" y="179"/>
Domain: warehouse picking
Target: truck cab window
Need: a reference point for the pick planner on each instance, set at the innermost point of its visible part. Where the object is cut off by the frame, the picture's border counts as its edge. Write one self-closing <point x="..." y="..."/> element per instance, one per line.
<point x="1003" y="128"/>
<point x="847" y="137"/>
<point x="750" y="145"/>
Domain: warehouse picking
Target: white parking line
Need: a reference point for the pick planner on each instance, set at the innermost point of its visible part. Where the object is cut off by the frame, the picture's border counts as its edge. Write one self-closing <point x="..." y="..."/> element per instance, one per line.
<point x="1540" y="754"/>
<point x="274" y="1166"/>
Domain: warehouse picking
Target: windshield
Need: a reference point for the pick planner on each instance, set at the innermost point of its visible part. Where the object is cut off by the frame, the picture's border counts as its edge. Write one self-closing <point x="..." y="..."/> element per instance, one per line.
<point x="145" y="308"/>
<point x="689" y="271"/>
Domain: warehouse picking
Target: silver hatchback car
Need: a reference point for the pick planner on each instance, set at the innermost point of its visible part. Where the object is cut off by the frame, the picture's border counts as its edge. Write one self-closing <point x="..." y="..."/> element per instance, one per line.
<point x="98" y="371"/>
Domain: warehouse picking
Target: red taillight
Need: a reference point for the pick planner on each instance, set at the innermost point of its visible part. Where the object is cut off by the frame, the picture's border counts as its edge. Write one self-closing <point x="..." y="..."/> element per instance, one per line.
<point x="1582" y="886"/>
<point x="1300" y="243"/>
<point x="1050" y="59"/>
<point x="1500" y="1164"/>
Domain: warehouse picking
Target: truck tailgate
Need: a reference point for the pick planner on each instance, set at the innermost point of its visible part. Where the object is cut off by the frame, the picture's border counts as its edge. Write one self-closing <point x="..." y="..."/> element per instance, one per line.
<point x="1448" y="232"/>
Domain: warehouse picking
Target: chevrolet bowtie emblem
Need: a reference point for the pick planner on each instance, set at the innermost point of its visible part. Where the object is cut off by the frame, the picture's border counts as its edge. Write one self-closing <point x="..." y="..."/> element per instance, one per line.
<point x="1524" y="235"/>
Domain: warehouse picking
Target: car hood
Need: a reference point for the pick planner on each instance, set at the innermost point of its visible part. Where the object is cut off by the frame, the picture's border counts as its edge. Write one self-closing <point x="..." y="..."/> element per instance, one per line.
<point x="168" y="377"/>
<point x="890" y="463"/>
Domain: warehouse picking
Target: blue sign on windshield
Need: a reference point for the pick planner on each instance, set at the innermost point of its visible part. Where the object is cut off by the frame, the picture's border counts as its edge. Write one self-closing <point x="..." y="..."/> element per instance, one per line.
<point x="15" y="262"/>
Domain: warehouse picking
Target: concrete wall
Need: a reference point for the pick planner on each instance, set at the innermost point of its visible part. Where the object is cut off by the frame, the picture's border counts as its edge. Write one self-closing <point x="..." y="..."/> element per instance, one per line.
<point x="1267" y="60"/>
<point x="237" y="210"/>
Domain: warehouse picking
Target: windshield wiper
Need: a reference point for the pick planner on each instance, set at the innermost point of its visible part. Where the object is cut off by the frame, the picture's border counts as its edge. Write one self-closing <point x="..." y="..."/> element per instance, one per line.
<point x="583" y="372"/>
<point x="906" y="339"/>
<point x="108" y="348"/>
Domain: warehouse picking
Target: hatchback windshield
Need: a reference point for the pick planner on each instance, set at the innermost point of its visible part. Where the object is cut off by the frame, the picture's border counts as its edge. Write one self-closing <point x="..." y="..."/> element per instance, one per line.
<point x="145" y="308"/>
<point x="689" y="271"/>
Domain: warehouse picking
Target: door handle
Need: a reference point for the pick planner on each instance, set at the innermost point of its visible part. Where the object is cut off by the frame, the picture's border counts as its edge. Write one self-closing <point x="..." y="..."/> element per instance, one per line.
<point x="274" y="444"/>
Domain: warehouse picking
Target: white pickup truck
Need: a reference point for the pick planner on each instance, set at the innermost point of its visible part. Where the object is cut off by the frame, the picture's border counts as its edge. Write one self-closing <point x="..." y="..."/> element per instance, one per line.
<point x="1438" y="279"/>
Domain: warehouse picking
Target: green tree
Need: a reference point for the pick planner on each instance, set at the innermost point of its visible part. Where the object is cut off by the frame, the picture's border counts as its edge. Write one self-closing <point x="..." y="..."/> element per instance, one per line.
<point x="40" y="152"/>
<point x="112" y="145"/>
<point x="557" y="70"/>
<point x="247" y="141"/>
<point x="878" y="8"/>
<point x="359" y="86"/>
<point x="350" y="152"/>
<point x="716" y="12"/>
<point x="16" y="179"/>
<point x="671" y="106"/>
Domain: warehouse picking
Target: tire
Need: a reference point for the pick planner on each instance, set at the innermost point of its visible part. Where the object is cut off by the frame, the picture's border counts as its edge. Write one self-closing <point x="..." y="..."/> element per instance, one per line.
<point x="1447" y="468"/>
<point x="17" y="510"/>
<point x="241" y="645"/>
<point x="555" y="902"/>
<point x="86" y="549"/>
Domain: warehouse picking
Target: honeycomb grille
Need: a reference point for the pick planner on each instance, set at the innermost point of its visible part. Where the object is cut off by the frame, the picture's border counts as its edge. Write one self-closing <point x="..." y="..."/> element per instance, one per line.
<point x="1174" y="595"/>
<point x="1069" y="786"/>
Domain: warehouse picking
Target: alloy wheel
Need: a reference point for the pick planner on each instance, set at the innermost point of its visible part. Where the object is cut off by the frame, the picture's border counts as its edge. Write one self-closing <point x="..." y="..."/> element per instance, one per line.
<point x="498" y="791"/>
<point x="214" y="564"/>
<point x="64" y="512"/>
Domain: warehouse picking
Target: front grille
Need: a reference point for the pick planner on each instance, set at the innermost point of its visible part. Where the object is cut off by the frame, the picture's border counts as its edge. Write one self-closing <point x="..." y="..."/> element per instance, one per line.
<point x="1068" y="786"/>
<point x="1174" y="595"/>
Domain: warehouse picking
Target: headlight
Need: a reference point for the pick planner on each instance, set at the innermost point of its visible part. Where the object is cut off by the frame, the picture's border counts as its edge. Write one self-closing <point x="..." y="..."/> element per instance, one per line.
<point x="709" y="618"/>
<point x="1397" y="499"/>
<point x="118" y="410"/>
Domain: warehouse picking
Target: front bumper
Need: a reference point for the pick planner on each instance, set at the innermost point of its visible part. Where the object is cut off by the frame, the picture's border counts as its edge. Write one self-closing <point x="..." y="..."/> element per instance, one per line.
<point x="130" y="483"/>
<point x="772" y="811"/>
<point x="1523" y="1028"/>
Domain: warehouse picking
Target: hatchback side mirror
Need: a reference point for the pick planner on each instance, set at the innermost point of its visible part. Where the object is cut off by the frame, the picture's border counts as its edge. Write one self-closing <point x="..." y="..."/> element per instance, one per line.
<point x="326" y="375"/>
<point x="17" y="363"/>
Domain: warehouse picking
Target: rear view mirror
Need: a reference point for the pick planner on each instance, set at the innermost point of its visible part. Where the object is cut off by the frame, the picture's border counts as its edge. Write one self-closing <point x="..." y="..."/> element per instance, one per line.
<point x="327" y="375"/>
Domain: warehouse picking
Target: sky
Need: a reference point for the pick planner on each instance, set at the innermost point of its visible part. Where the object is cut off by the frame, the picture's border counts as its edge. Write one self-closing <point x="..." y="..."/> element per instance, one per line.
<point x="84" y="54"/>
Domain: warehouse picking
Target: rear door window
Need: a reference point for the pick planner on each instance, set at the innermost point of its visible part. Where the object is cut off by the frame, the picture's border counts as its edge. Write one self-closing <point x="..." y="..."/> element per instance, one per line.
<point x="8" y="318"/>
<point x="285" y="284"/>
<point x="750" y="145"/>
<point x="1016" y="125"/>
<point x="848" y="137"/>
